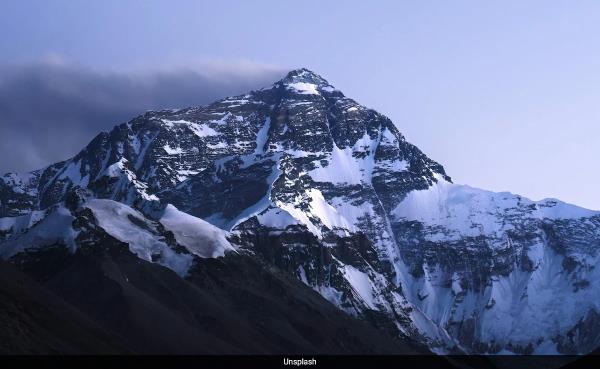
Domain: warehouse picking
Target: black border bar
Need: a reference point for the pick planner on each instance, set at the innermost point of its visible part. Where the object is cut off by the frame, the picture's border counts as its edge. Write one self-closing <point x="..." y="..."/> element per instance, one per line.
<point x="296" y="361"/>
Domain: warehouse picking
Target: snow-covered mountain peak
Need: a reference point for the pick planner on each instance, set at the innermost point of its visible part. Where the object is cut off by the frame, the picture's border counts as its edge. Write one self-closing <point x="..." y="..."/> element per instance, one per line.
<point x="330" y="191"/>
<point x="303" y="75"/>
<point x="306" y="82"/>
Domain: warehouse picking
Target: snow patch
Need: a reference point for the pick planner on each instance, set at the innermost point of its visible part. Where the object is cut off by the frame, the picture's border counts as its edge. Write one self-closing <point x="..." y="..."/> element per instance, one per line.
<point x="303" y="88"/>
<point x="276" y="218"/>
<point x="56" y="227"/>
<point x="202" y="130"/>
<point x="21" y="223"/>
<point x="144" y="241"/>
<point x="361" y="284"/>
<point x="262" y="136"/>
<point x="343" y="167"/>
<point x="198" y="236"/>
<point x="21" y="182"/>
<point x="172" y="150"/>
<point x="116" y="169"/>
<point x="217" y="146"/>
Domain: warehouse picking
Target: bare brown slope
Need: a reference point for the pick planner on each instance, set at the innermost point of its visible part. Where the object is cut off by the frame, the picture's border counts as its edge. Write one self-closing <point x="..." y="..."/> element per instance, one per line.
<point x="229" y="305"/>
<point x="34" y="320"/>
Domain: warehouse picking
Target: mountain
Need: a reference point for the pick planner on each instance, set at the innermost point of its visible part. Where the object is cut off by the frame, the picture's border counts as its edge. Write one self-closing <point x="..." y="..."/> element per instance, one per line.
<point x="305" y="181"/>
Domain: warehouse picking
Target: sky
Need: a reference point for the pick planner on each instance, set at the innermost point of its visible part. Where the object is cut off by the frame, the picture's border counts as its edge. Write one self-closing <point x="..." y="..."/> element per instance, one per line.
<point x="504" y="94"/>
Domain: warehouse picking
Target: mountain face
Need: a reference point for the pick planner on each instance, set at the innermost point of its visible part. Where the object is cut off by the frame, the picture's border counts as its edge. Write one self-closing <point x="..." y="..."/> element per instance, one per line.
<point x="302" y="179"/>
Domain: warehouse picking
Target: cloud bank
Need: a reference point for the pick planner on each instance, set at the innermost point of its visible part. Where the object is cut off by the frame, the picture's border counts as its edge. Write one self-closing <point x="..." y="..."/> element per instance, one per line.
<point x="49" y="111"/>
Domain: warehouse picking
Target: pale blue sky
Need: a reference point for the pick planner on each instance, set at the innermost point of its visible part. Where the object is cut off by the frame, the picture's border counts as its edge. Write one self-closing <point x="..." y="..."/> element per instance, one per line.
<point x="505" y="94"/>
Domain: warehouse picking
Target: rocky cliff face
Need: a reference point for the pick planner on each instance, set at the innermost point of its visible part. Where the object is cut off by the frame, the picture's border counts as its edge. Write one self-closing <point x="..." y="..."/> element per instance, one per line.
<point x="315" y="184"/>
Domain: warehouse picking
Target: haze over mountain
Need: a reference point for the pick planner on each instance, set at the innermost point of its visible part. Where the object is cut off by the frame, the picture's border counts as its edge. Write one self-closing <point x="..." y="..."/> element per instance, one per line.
<point x="50" y="109"/>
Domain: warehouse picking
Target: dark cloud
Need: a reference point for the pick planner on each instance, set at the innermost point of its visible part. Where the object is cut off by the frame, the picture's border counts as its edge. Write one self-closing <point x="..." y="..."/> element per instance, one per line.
<point x="48" y="112"/>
